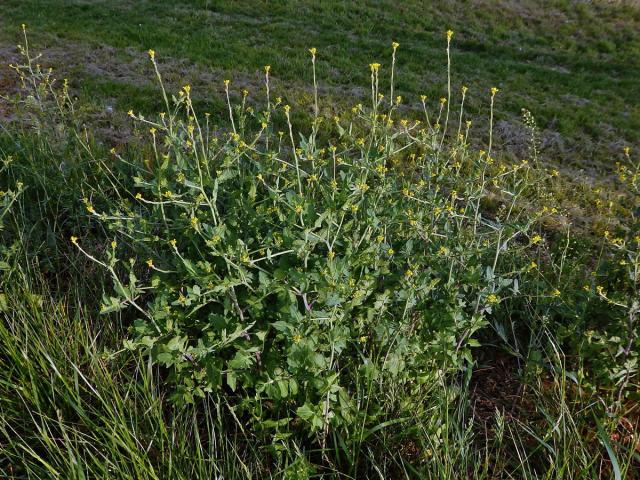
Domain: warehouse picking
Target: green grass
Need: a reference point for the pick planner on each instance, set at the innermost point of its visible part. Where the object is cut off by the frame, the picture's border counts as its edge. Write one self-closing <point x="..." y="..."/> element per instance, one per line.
<point x="573" y="65"/>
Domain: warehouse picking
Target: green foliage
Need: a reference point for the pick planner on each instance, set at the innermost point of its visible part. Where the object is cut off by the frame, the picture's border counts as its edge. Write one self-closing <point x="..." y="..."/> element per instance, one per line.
<point x="299" y="276"/>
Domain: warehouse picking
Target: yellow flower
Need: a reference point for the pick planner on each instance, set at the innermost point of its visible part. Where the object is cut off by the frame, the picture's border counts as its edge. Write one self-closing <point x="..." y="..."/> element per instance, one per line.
<point x="536" y="239"/>
<point x="138" y="196"/>
<point x="152" y="54"/>
<point x="130" y="113"/>
<point x="494" y="90"/>
<point x="408" y="273"/>
<point x="363" y="339"/>
<point x="312" y="51"/>
<point x="331" y="254"/>
<point x="380" y="238"/>
<point x="194" y="222"/>
<point x="296" y="338"/>
<point x="114" y="244"/>
<point x="226" y="83"/>
<point x="464" y="89"/>
<point x="627" y="150"/>
<point x="443" y="250"/>
<point x="449" y="35"/>
<point x="555" y="293"/>
<point x="493" y="298"/>
<point x="74" y="239"/>
<point x="600" y="290"/>
<point x="267" y="69"/>
<point x="298" y="209"/>
<point x="533" y="266"/>
<point x="150" y="263"/>
<point x="443" y="101"/>
<point x="374" y="67"/>
<point x="173" y="242"/>
<point x="391" y="251"/>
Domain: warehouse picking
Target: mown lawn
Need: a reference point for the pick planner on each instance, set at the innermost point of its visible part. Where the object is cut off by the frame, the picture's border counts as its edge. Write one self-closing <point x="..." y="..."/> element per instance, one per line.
<point x="573" y="65"/>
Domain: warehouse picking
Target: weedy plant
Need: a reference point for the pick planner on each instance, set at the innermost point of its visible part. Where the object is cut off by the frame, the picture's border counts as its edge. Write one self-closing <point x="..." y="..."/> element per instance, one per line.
<point x="303" y="275"/>
<point x="615" y="346"/>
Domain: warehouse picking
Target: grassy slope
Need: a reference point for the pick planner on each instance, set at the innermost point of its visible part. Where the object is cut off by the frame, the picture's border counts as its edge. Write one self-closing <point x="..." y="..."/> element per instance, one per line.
<point x="574" y="65"/>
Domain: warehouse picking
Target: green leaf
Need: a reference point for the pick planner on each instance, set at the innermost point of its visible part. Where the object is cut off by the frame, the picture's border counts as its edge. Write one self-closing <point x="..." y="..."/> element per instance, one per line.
<point x="232" y="380"/>
<point x="612" y="456"/>
<point x="306" y="412"/>
<point x="166" y="358"/>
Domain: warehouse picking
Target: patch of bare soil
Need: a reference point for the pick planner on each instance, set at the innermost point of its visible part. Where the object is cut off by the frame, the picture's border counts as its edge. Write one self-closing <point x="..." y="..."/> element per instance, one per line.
<point x="9" y="84"/>
<point x="130" y="67"/>
<point x="496" y="387"/>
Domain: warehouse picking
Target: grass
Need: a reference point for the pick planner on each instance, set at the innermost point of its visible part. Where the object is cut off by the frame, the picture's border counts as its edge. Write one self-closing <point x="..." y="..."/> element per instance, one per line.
<point x="574" y="65"/>
<point x="402" y="304"/>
